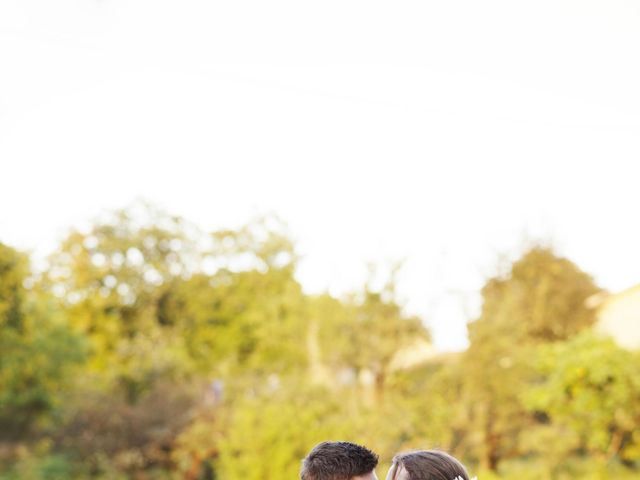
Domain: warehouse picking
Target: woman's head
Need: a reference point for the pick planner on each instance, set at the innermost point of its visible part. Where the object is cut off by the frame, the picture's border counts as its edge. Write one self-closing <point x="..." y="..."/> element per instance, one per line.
<point x="426" y="465"/>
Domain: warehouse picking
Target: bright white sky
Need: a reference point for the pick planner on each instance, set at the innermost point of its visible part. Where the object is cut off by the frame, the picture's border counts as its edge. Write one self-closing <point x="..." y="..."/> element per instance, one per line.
<point x="442" y="133"/>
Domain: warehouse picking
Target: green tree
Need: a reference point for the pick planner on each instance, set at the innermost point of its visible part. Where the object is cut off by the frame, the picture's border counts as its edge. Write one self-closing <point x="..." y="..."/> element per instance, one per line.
<point x="589" y="387"/>
<point x="37" y="350"/>
<point x="540" y="299"/>
<point x="113" y="282"/>
<point x="270" y="433"/>
<point x="246" y="318"/>
<point x="431" y="406"/>
<point x="365" y="332"/>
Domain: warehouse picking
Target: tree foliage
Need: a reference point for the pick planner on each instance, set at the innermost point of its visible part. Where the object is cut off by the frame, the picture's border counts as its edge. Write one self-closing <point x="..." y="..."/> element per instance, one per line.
<point x="149" y="349"/>
<point x="37" y="350"/>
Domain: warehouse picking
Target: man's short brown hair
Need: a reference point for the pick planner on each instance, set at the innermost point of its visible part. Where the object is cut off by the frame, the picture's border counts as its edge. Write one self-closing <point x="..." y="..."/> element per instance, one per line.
<point x="338" y="461"/>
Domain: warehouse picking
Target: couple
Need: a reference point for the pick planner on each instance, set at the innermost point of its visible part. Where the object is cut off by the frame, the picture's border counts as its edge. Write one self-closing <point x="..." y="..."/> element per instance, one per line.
<point x="348" y="461"/>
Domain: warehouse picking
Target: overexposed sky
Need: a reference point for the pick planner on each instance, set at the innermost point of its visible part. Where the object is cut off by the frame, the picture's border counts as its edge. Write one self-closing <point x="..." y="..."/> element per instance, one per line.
<point x="442" y="133"/>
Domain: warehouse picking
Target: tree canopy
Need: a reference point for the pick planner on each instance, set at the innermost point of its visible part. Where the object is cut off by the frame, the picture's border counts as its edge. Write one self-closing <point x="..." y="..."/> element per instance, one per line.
<point x="150" y="349"/>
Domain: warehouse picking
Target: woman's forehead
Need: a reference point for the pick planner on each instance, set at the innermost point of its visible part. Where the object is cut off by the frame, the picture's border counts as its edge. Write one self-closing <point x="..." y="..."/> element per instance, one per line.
<point x="397" y="472"/>
<point x="402" y="473"/>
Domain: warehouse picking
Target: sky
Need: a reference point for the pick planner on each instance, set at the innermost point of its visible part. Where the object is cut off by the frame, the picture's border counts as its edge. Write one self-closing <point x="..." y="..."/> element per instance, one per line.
<point x="443" y="134"/>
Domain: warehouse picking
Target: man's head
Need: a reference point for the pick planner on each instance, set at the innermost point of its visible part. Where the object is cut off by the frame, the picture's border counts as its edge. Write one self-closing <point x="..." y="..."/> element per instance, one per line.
<point x="339" y="461"/>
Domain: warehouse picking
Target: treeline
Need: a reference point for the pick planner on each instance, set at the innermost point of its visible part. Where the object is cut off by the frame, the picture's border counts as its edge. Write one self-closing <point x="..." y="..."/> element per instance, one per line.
<point x="147" y="349"/>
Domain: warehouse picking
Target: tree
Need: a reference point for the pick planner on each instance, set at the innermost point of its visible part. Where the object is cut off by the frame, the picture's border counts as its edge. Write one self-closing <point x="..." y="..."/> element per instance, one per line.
<point x="590" y="387"/>
<point x="540" y="299"/>
<point x="113" y="280"/>
<point x="38" y="350"/>
<point x="271" y="432"/>
<point x="249" y="315"/>
<point x="363" y="334"/>
<point x="13" y="272"/>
